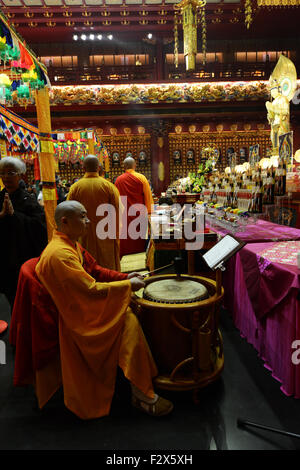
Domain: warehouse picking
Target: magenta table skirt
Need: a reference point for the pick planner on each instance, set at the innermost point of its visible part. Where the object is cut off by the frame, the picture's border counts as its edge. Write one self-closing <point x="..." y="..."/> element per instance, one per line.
<point x="262" y="297"/>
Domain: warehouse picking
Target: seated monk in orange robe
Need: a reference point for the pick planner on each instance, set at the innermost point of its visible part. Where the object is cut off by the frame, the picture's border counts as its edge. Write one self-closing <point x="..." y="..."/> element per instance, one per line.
<point x="97" y="330"/>
<point x="135" y="187"/>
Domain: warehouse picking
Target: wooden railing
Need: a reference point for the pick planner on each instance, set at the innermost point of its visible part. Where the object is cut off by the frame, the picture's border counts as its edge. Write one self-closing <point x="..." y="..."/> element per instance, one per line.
<point x="149" y="73"/>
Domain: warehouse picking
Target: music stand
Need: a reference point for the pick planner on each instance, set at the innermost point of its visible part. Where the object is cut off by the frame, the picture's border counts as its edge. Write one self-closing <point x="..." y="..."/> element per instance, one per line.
<point x="219" y="254"/>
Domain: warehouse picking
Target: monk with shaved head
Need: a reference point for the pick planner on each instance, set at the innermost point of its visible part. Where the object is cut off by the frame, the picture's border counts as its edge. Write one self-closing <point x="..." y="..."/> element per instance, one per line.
<point x="97" y="330"/>
<point x="93" y="191"/>
<point x="135" y="191"/>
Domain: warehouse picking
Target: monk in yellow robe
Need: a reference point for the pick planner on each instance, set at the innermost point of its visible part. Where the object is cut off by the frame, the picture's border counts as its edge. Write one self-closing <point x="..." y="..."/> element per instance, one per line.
<point x="97" y="330"/>
<point x="135" y="188"/>
<point x="93" y="191"/>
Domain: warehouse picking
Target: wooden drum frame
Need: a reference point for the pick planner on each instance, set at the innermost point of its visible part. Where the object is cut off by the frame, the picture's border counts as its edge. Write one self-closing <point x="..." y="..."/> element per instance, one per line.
<point x="184" y="338"/>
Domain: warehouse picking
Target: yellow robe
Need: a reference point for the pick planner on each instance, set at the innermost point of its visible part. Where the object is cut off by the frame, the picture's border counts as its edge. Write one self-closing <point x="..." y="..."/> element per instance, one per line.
<point x="97" y="331"/>
<point x="91" y="191"/>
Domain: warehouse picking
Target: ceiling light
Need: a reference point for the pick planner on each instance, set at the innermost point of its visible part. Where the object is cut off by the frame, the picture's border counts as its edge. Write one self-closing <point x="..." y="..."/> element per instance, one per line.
<point x="99" y="36"/>
<point x="83" y="37"/>
<point x="110" y="37"/>
<point x="75" y="37"/>
<point x="149" y="35"/>
<point x="92" y="37"/>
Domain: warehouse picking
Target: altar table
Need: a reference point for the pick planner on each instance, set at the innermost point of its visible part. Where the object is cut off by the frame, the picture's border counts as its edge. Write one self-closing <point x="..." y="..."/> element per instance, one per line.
<point x="263" y="231"/>
<point x="261" y="285"/>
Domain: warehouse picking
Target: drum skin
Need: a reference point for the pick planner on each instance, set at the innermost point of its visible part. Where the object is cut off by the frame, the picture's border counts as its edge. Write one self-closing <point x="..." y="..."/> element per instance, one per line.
<point x="184" y="338"/>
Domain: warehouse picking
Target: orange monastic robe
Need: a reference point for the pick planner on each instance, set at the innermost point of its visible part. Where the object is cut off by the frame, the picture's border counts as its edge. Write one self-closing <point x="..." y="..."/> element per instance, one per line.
<point x="97" y="331"/>
<point x="91" y="191"/>
<point x="135" y="187"/>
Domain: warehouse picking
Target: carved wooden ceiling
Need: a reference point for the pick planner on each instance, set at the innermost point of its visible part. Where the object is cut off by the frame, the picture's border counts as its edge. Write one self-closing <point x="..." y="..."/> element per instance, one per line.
<point x="58" y="20"/>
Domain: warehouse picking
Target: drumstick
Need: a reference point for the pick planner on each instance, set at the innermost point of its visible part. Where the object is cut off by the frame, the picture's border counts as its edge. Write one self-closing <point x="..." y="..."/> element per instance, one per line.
<point x="158" y="269"/>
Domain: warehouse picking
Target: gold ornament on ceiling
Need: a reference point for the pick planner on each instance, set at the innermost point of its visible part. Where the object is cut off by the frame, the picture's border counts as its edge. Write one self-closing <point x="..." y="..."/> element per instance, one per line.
<point x="113" y="131"/>
<point x="216" y="20"/>
<point x="124" y="13"/>
<point x="178" y="129"/>
<point x="10" y="15"/>
<point x="48" y="14"/>
<point x="234" y="127"/>
<point x="86" y="13"/>
<point x="67" y="13"/>
<point x="70" y="23"/>
<point x="162" y="12"/>
<point x="189" y="10"/>
<point x="28" y="14"/>
<point x="206" y="128"/>
<point x="143" y="13"/>
<point x="88" y="23"/>
<point x="106" y="23"/>
<point x="219" y="11"/>
<point x="125" y="22"/>
<point x="143" y="21"/>
<point x="105" y="13"/>
<point x="161" y="21"/>
<point x="234" y="20"/>
<point x="192" y="129"/>
<point x="32" y="24"/>
<point x="141" y="130"/>
<point x="220" y="128"/>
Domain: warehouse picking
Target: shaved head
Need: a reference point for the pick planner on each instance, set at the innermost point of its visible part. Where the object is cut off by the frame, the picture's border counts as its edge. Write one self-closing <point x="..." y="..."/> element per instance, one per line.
<point x="91" y="163"/>
<point x="67" y="209"/>
<point x="129" y="163"/>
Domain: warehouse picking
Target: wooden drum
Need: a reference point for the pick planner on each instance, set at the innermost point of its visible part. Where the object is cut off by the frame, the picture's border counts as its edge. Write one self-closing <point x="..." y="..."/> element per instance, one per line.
<point x="179" y="316"/>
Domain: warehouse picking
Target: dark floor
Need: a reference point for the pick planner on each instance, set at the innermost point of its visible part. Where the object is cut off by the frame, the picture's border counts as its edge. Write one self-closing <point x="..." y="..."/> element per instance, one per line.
<point x="246" y="390"/>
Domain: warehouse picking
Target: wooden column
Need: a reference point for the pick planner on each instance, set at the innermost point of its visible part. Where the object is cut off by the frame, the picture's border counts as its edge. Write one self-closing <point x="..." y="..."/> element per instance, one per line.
<point x="160" y="156"/>
<point x="46" y="157"/>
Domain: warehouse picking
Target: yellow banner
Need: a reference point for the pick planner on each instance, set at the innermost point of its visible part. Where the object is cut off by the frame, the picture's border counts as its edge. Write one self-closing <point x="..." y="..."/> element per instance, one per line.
<point x="49" y="194"/>
<point x="47" y="146"/>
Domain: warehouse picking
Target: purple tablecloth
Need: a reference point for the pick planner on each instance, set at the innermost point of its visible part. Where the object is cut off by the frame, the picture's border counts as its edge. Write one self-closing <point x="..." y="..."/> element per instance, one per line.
<point x="262" y="298"/>
<point x="263" y="231"/>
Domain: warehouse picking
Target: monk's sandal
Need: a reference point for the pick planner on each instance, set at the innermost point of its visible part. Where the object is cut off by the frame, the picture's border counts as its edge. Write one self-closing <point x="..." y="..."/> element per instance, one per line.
<point x="161" y="407"/>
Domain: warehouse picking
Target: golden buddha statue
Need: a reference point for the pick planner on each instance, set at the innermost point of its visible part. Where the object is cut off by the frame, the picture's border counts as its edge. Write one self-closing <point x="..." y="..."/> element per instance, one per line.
<point x="282" y="85"/>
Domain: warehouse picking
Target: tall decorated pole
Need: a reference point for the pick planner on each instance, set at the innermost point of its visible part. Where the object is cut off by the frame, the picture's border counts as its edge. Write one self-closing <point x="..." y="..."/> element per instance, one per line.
<point x="46" y="157"/>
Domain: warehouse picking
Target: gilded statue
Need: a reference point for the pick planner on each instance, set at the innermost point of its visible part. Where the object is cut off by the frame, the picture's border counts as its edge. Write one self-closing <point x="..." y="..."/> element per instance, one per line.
<point x="282" y="85"/>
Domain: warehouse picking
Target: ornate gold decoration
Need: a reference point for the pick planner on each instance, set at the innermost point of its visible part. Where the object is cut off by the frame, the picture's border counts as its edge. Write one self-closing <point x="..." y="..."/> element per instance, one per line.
<point x="51" y="24"/>
<point x="143" y="21"/>
<point x="28" y="14"/>
<point x="192" y="129"/>
<point x="127" y="130"/>
<point x="88" y="23"/>
<point x="219" y="11"/>
<point x="162" y="12"/>
<point x="67" y="13"/>
<point x="161" y="171"/>
<point x="216" y="20"/>
<point x="10" y="15"/>
<point x="281" y="3"/>
<point x="188" y="9"/>
<point x="124" y="13"/>
<point x="176" y="39"/>
<point x="160" y="21"/>
<point x="32" y="24"/>
<point x="106" y="23"/>
<point x="247" y="127"/>
<point x="220" y="128"/>
<point x="178" y="129"/>
<point x="70" y="23"/>
<point x="143" y="13"/>
<point x="105" y="13"/>
<point x="15" y="25"/>
<point x="86" y="13"/>
<point x="248" y="13"/>
<point x="141" y="130"/>
<point x="125" y="22"/>
<point x="113" y="131"/>
<point x="234" y="20"/>
<point x="206" y="128"/>
<point x="160" y="142"/>
<point x="48" y="14"/>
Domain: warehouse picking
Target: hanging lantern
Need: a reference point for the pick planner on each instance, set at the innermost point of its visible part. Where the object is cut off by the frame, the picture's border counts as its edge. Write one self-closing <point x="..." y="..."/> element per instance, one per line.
<point x="188" y="9"/>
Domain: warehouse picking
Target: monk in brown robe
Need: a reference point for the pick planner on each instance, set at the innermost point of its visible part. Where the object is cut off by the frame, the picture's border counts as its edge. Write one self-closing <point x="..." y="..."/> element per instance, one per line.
<point x="97" y="330"/>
